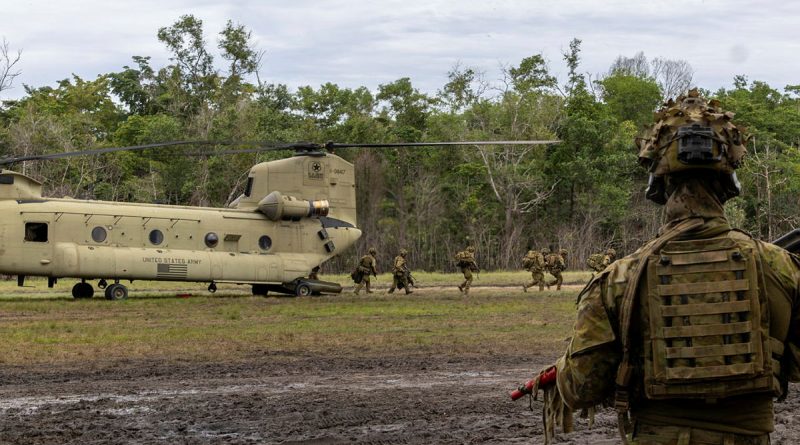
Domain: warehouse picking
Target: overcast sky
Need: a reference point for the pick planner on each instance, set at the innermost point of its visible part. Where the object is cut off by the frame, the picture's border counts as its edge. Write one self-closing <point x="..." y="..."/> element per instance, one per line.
<point x="367" y="43"/>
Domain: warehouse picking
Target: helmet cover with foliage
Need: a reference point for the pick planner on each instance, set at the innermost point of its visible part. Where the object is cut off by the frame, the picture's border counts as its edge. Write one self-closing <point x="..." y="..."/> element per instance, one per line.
<point x="470" y="249"/>
<point x="372" y="251"/>
<point x="403" y="252"/>
<point x="563" y="252"/>
<point x="545" y="250"/>
<point x="611" y="251"/>
<point x="692" y="134"/>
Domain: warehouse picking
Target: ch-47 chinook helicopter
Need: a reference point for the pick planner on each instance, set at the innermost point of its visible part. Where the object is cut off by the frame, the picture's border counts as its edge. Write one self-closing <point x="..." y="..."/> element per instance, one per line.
<point x="294" y="214"/>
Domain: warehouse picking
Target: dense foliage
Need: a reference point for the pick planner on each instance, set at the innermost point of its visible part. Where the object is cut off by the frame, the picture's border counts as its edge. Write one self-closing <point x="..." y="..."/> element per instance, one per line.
<point x="584" y="194"/>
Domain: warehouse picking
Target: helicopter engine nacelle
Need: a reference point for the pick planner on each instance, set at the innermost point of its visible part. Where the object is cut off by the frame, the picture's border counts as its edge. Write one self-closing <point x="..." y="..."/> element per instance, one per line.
<point x="279" y="207"/>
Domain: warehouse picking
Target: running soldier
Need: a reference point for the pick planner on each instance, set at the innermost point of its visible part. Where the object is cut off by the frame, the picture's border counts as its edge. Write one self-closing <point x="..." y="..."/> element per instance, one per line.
<point x="400" y="273"/>
<point x="466" y="261"/>
<point x="534" y="262"/>
<point x="555" y="264"/>
<point x="366" y="266"/>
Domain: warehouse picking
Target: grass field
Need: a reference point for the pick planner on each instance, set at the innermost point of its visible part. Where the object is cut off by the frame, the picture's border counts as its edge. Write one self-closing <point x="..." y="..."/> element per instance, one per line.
<point x="41" y="326"/>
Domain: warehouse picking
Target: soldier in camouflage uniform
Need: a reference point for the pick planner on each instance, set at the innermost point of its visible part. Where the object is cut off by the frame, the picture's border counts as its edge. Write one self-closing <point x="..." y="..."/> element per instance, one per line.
<point x="556" y="263"/>
<point x="400" y="273"/>
<point x="367" y="266"/>
<point x="534" y="262"/>
<point x="466" y="261"/>
<point x="695" y="333"/>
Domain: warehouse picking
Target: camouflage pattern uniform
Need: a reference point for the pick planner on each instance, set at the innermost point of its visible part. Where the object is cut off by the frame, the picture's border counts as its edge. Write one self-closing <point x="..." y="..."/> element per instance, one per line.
<point x="367" y="266"/>
<point x="694" y="333"/>
<point x="400" y="272"/>
<point x="556" y="263"/>
<point x="535" y="261"/>
<point x="467" y="263"/>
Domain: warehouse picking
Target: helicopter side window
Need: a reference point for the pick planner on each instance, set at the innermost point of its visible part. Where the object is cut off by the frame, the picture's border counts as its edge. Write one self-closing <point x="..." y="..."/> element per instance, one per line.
<point x="212" y="239"/>
<point x="6" y="179"/>
<point x="249" y="188"/>
<point x="265" y="242"/>
<point x="156" y="237"/>
<point x="99" y="234"/>
<point x="36" y="232"/>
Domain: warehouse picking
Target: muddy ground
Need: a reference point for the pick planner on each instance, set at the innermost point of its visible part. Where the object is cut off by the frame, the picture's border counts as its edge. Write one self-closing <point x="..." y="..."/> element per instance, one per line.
<point x="291" y="400"/>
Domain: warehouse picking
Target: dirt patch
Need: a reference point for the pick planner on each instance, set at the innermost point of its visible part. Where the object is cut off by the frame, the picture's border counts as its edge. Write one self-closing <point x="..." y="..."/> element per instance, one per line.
<point x="291" y="400"/>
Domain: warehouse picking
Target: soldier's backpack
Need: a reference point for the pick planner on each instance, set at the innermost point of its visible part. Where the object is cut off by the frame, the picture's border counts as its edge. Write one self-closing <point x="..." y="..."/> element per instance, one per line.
<point x="595" y="261"/>
<point x="462" y="259"/>
<point x="527" y="262"/>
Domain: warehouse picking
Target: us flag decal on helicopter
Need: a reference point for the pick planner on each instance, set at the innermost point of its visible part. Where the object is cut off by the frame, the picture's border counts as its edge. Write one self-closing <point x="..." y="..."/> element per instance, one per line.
<point x="172" y="270"/>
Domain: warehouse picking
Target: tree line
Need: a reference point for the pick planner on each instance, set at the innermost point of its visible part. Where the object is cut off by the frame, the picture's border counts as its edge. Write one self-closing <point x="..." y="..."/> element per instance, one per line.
<point x="584" y="194"/>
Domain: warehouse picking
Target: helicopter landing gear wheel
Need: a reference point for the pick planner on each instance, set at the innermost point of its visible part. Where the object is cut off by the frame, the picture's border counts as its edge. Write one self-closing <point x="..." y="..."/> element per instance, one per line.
<point x="82" y="290"/>
<point x="260" y="290"/>
<point x="302" y="290"/>
<point x="116" y="292"/>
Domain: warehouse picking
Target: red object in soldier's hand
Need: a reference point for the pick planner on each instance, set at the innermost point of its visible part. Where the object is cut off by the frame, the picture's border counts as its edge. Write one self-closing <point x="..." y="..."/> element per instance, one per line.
<point x="546" y="378"/>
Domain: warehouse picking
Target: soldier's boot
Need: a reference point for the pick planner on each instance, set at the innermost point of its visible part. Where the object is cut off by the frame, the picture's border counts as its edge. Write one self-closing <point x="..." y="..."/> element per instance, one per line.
<point x="525" y="287"/>
<point x="369" y="291"/>
<point x="541" y="287"/>
<point x="466" y="291"/>
<point x="357" y="289"/>
<point x="461" y="287"/>
<point x="391" y="291"/>
<point x="409" y="291"/>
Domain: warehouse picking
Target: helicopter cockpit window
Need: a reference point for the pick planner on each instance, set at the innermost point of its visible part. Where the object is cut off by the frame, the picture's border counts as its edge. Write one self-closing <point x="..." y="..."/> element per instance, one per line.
<point x="156" y="237"/>
<point x="212" y="239"/>
<point x="265" y="242"/>
<point x="99" y="234"/>
<point x="249" y="188"/>
<point x="36" y="232"/>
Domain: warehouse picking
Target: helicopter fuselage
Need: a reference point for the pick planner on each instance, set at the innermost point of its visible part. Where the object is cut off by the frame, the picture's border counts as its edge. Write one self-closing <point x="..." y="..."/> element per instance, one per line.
<point x="274" y="240"/>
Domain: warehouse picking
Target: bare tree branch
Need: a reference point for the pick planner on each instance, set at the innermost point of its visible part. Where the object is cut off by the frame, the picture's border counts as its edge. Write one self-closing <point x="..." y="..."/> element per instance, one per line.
<point x="7" y="64"/>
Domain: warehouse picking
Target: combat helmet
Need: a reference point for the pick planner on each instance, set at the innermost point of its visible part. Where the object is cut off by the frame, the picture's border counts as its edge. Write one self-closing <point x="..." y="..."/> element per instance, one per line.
<point x="611" y="251"/>
<point x="692" y="134"/>
<point x="403" y="252"/>
<point x="470" y="249"/>
<point x="372" y="251"/>
<point x="563" y="252"/>
<point x="545" y="250"/>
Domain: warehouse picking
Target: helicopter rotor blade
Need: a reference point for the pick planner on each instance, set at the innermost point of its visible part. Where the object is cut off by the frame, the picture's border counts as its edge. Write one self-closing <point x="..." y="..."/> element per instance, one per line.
<point x="332" y="145"/>
<point x="308" y="147"/>
<point x="68" y="154"/>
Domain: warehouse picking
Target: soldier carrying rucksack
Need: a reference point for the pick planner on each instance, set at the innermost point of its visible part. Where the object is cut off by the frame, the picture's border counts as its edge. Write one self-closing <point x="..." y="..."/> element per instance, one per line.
<point x="367" y="266"/>
<point x="534" y="262"/>
<point x="465" y="260"/>
<point x="555" y="263"/>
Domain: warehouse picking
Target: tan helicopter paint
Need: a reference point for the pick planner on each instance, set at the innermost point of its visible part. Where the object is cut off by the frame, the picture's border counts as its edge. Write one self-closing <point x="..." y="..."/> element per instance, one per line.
<point x="54" y="237"/>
